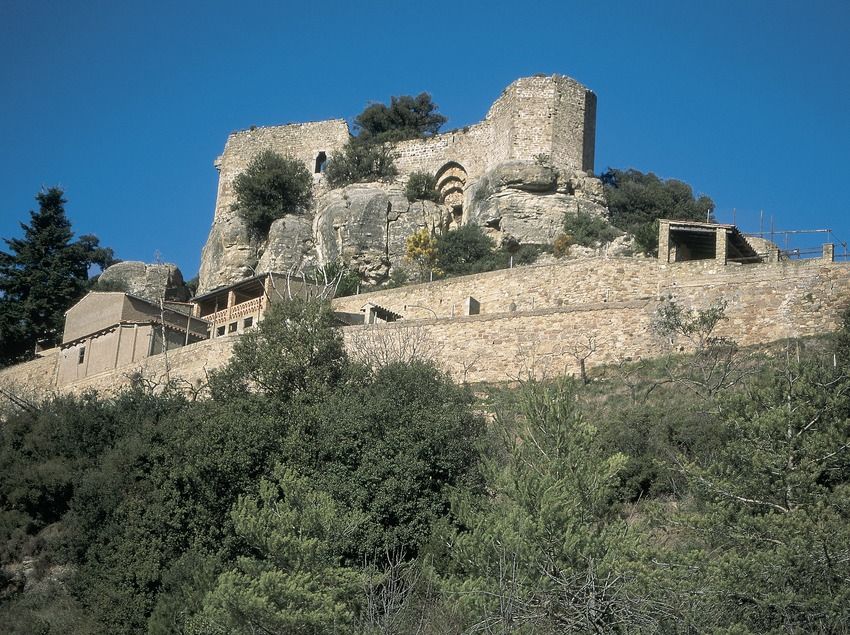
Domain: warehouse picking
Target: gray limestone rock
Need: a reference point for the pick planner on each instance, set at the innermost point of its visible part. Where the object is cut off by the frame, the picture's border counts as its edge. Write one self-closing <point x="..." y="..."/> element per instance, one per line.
<point x="510" y="210"/>
<point x="524" y="175"/>
<point x="229" y="254"/>
<point x="151" y="282"/>
<point x="366" y="226"/>
<point x="289" y="245"/>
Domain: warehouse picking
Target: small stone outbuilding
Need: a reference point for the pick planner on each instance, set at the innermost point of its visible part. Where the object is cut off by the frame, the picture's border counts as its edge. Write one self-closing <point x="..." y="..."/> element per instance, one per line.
<point x="109" y="329"/>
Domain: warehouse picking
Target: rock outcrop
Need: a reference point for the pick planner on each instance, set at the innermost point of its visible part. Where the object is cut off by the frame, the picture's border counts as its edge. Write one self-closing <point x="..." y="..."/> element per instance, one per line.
<point x="365" y="225"/>
<point x="149" y="281"/>
<point x="525" y="202"/>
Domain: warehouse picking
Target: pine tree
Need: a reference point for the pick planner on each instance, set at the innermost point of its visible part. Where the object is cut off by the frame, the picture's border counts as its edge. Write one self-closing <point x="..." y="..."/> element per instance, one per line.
<point x="294" y="583"/>
<point x="42" y="275"/>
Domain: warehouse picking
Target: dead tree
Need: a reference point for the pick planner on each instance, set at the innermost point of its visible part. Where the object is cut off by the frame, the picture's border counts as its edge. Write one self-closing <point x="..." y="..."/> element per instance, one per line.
<point x="581" y="351"/>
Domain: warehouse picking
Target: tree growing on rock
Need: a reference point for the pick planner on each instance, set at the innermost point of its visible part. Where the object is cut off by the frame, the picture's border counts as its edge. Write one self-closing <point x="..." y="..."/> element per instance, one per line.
<point x="41" y="276"/>
<point x="272" y="185"/>
<point x="422" y="186"/>
<point x="369" y="156"/>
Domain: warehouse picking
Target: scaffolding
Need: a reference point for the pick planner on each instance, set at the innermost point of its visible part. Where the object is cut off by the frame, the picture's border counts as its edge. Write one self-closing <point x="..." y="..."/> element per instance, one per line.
<point x="790" y="252"/>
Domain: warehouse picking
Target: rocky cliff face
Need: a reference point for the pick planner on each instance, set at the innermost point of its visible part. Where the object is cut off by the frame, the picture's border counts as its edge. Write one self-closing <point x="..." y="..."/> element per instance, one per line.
<point x="366" y="225"/>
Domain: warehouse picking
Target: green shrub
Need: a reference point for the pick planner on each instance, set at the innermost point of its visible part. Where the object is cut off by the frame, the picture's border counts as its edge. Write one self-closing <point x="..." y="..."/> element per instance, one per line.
<point x="637" y="200"/>
<point x="422" y="186"/>
<point x="406" y="117"/>
<point x="589" y="230"/>
<point x="460" y="249"/>
<point x="361" y="162"/>
<point x="271" y="186"/>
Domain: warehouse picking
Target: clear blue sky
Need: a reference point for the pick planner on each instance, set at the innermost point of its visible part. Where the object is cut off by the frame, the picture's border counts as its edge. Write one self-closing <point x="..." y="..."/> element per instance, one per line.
<point x="127" y="104"/>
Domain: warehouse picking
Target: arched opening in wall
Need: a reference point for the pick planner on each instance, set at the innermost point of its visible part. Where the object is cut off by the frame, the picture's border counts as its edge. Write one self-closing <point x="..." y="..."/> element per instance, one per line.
<point x="451" y="182"/>
<point x="321" y="162"/>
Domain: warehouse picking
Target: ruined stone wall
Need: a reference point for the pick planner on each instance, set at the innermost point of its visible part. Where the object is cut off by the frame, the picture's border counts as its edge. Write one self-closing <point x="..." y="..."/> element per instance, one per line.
<point x="302" y="141"/>
<point x="554" y="116"/>
<point x="574" y="128"/>
<point x="534" y="115"/>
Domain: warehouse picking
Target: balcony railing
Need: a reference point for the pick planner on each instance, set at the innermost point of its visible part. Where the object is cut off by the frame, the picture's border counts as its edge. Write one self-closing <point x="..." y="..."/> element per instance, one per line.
<point x="237" y="311"/>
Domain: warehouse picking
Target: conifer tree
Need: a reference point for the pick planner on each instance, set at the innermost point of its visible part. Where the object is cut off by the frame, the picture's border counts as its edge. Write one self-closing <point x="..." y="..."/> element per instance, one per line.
<point x="41" y="275"/>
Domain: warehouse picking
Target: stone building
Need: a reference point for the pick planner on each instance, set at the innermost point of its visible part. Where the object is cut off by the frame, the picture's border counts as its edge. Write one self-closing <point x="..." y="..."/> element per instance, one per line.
<point x="106" y="330"/>
<point x="237" y="307"/>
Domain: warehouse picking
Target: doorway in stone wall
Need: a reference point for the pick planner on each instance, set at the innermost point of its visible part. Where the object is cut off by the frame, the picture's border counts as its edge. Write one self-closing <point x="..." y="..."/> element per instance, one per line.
<point x="451" y="182"/>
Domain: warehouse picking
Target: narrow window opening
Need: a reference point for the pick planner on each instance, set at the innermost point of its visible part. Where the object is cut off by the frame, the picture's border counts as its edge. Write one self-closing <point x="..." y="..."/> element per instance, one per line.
<point x="247" y="322"/>
<point x="82" y="356"/>
<point x="231" y="328"/>
<point x="220" y="330"/>
<point x="321" y="162"/>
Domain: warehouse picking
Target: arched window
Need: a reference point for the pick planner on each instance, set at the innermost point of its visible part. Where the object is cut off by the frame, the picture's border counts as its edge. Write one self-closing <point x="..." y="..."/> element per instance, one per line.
<point x="321" y="161"/>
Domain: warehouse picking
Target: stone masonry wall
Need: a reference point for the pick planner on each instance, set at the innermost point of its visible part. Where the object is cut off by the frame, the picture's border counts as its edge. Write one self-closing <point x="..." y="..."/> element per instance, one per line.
<point x="32" y="379"/>
<point x="302" y="141"/>
<point x="534" y="115"/>
<point x="559" y="307"/>
<point x="189" y="364"/>
<point x="533" y="318"/>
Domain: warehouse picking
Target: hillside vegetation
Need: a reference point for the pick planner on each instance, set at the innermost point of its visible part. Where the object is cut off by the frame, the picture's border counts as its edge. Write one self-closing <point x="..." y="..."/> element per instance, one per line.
<point x="311" y="494"/>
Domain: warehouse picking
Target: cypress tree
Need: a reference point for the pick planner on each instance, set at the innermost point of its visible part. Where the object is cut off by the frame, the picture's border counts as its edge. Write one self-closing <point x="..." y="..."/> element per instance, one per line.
<point x="41" y="276"/>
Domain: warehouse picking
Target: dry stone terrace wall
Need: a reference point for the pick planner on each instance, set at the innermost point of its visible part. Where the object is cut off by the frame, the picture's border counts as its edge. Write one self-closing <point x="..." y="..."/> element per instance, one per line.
<point x="189" y="364"/>
<point x="32" y="379"/>
<point x="510" y="346"/>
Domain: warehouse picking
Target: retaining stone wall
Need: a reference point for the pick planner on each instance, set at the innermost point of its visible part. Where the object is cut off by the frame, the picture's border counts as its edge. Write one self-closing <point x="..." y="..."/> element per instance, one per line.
<point x="558" y="307"/>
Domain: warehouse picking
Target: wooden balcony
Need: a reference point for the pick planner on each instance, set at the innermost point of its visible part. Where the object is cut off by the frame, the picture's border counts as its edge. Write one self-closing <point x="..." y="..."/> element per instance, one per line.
<point x="257" y="305"/>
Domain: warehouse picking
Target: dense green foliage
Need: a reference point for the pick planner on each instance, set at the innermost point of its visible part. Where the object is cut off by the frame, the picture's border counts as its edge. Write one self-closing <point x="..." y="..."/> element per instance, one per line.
<point x="311" y="494"/>
<point x="406" y="117"/>
<point x="636" y="201"/>
<point x="271" y="186"/>
<point x="462" y="248"/>
<point x="41" y="276"/>
<point x="156" y="503"/>
<point x="421" y="186"/>
<point x="359" y="162"/>
<point x="468" y="249"/>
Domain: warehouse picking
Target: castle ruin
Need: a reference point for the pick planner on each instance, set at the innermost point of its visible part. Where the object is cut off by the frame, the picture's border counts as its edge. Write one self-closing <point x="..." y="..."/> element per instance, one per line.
<point x="546" y="119"/>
